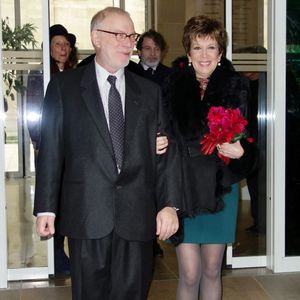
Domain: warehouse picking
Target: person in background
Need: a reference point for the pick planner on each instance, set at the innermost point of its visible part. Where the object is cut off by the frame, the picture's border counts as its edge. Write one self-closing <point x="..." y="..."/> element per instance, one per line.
<point x="63" y="56"/>
<point x="101" y="173"/>
<point x="151" y="48"/>
<point x="256" y="180"/>
<point x="210" y="211"/>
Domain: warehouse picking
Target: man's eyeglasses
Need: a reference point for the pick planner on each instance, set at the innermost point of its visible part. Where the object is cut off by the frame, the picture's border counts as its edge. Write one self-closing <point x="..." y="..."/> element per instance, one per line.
<point x="121" y="36"/>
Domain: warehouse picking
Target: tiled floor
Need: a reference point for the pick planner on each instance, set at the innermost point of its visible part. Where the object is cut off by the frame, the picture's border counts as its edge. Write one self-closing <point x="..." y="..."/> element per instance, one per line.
<point x="25" y="251"/>
<point x="246" y="284"/>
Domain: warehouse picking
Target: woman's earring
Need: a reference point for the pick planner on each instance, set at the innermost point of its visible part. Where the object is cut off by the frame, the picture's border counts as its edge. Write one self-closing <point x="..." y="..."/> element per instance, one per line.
<point x="190" y="63"/>
<point x="219" y="64"/>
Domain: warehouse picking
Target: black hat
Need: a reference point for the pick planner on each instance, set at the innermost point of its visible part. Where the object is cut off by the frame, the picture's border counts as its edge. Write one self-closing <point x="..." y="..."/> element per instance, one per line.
<point x="72" y="39"/>
<point x="58" y="29"/>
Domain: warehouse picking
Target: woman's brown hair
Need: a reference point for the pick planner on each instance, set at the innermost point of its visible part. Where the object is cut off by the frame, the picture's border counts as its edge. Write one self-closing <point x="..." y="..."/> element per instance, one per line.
<point x="203" y="26"/>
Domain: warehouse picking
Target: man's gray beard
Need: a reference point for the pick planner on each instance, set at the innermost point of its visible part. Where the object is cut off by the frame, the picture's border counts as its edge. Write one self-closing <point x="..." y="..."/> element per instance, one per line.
<point x="150" y="64"/>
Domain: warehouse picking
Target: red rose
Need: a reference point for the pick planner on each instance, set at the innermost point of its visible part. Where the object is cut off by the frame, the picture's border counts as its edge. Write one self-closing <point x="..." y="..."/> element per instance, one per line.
<point x="225" y="125"/>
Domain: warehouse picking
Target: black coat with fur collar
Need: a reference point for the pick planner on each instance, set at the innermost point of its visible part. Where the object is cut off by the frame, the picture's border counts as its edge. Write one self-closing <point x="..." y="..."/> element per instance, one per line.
<point x="205" y="178"/>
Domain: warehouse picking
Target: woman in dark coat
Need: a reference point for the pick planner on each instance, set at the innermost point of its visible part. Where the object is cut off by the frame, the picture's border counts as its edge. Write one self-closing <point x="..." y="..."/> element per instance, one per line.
<point x="63" y="56"/>
<point x="191" y="90"/>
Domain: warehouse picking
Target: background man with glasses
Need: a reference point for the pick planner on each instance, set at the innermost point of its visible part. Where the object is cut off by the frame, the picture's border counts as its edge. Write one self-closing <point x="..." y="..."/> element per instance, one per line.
<point x="98" y="167"/>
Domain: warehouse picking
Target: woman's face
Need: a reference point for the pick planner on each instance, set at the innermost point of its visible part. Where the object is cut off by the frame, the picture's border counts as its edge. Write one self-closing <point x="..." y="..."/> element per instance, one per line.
<point x="60" y="49"/>
<point x="204" y="55"/>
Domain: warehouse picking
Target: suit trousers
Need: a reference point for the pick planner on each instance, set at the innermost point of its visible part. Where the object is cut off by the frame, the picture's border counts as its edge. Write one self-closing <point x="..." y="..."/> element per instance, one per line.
<point x="110" y="268"/>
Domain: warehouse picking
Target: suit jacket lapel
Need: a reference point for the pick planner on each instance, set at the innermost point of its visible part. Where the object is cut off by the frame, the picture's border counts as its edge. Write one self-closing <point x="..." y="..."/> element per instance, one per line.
<point x="132" y="109"/>
<point x="91" y="96"/>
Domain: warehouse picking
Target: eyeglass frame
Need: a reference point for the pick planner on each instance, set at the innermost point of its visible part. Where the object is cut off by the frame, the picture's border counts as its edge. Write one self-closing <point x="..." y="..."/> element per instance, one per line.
<point x="121" y="36"/>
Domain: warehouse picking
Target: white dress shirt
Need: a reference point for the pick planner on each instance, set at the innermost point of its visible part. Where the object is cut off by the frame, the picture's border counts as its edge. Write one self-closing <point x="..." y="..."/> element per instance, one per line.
<point x="104" y="87"/>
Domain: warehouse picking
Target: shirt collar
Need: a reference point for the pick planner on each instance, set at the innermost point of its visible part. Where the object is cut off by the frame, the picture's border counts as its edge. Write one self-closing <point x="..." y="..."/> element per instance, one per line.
<point x="145" y="67"/>
<point x="102" y="74"/>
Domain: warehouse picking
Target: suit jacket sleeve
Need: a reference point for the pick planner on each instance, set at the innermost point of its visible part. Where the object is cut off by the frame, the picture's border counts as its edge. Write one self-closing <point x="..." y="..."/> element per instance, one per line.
<point x="50" y="158"/>
<point x="169" y="189"/>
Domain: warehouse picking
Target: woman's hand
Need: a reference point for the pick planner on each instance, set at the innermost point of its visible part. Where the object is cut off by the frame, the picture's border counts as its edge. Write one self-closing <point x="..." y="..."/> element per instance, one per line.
<point x="161" y="144"/>
<point x="234" y="150"/>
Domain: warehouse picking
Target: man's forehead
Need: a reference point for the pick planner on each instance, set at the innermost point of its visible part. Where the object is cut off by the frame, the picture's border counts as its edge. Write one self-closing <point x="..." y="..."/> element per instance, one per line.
<point x="149" y="40"/>
<point x="118" y="21"/>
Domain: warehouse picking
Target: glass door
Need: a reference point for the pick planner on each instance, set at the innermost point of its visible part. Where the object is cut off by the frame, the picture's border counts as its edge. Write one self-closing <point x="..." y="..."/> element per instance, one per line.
<point x="246" y="24"/>
<point x="22" y="30"/>
<point x="286" y="179"/>
<point x="248" y="31"/>
<point x="292" y="177"/>
<point x="3" y="231"/>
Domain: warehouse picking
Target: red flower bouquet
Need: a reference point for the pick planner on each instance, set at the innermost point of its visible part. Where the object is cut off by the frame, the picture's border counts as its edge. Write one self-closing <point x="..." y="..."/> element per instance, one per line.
<point x="225" y="125"/>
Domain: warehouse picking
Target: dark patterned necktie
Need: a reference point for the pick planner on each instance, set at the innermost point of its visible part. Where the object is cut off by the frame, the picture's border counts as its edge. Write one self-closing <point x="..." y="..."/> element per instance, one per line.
<point x="116" y="120"/>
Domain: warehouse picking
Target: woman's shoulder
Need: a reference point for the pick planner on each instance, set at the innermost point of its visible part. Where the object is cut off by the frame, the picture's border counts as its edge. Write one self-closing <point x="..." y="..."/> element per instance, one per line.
<point x="228" y="81"/>
<point x="227" y="72"/>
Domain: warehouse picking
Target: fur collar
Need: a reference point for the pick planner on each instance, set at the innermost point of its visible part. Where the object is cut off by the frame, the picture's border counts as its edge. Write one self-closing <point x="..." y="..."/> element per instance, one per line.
<point x="182" y="91"/>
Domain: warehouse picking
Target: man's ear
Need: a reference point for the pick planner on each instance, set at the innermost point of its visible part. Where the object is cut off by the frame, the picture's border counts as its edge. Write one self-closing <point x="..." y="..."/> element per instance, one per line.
<point x="95" y="38"/>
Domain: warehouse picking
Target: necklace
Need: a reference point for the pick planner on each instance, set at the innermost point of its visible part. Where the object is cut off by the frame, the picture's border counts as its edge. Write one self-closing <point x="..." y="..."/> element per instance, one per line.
<point x="203" y="86"/>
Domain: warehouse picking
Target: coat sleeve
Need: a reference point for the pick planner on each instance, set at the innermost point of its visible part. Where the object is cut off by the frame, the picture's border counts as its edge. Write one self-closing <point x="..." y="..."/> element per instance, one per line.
<point x="244" y="166"/>
<point x="50" y="157"/>
<point x="241" y="168"/>
<point x="169" y="189"/>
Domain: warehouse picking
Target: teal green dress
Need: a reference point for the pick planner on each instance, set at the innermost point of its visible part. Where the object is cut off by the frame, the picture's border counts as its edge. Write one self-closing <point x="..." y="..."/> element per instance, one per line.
<point x="218" y="228"/>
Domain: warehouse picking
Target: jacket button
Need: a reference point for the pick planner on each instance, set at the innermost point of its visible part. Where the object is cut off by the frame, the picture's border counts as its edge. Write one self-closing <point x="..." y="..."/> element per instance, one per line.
<point x="118" y="187"/>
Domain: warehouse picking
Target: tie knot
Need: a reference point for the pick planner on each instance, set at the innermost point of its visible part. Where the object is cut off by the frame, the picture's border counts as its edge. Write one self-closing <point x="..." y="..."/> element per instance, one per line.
<point x="112" y="79"/>
<point x="150" y="71"/>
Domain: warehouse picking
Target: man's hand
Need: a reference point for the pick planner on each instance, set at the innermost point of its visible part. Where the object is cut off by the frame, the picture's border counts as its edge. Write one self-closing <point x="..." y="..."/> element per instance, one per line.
<point x="161" y="144"/>
<point x="166" y="223"/>
<point x="45" y="226"/>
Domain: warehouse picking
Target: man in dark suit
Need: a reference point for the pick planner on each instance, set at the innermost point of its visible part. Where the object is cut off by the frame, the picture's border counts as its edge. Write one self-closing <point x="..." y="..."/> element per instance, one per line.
<point x="98" y="168"/>
<point x="151" y="48"/>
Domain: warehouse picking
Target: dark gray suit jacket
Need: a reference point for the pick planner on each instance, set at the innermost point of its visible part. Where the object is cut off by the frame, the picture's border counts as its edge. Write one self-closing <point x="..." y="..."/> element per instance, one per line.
<point x="77" y="178"/>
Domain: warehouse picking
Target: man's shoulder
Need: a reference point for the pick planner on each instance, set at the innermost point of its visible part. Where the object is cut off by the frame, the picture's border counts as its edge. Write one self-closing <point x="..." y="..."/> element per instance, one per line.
<point x="135" y="67"/>
<point x="76" y="74"/>
<point x="163" y="70"/>
<point x="141" y="86"/>
<point x="141" y="80"/>
<point x="164" y="67"/>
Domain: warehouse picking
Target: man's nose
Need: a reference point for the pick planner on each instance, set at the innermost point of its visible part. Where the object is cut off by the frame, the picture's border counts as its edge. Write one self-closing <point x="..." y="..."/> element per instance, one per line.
<point x="129" y="43"/>
<point x="154" y="51"/>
